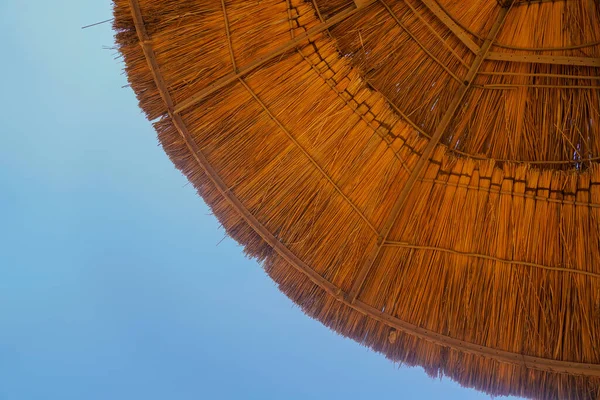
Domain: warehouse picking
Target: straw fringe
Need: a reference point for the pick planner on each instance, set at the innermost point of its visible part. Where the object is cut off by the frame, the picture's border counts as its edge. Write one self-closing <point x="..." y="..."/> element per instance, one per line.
<point x="446" y="300"/>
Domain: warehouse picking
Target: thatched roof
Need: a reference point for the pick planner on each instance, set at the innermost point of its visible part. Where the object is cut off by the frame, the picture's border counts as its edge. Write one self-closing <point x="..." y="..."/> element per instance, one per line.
<point x="419" y="175"/>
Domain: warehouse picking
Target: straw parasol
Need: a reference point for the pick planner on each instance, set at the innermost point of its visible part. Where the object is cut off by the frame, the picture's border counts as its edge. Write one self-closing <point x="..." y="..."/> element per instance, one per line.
<point x="421" y="176"/>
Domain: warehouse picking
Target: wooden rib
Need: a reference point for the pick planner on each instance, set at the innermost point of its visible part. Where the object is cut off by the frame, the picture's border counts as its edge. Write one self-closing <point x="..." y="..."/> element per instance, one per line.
<point x="540" y="75"/>
<point x="412" y="179"/>
<point x="509" y="160"/>
<point x="513" y="194"/>
<point x="462" y="32"/>
<point x="228" y="32"/>
<point x="539" y="59"/>
<point x="457" y="22"/>
<point x="529" y="2"/>
<point x="288" y="7"/>
<point x="434" y="58"/>
<point x="572" y="47"/>
<point x="328" y="287"/>
<point x="436" y="34"/>
<point x="227" y="79"/>
<point x="491" y="258"/>
<point x="536" y="162"/>
<point x="307" y="154"/>
<point x="321" y="18"/>
<point x="316" y="6"/>
<point x="503" y="86"/>
<point x="529" y="362"/>
<point x="450" y="23"/>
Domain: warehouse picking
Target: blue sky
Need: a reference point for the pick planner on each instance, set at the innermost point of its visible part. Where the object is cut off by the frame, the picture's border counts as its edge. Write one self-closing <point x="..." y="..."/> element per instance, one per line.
<point x="115" y="280"/>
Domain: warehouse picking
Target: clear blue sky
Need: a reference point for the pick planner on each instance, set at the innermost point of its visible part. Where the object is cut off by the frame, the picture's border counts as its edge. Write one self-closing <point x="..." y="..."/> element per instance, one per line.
<point x="115" y="282"/>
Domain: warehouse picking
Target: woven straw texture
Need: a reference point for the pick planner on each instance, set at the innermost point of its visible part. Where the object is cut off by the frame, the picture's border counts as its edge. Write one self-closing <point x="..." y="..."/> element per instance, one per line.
<point x="419" y="175"/>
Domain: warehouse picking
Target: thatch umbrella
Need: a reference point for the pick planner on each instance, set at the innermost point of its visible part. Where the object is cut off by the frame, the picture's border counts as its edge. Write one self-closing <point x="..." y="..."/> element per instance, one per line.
<point x="419" y="175"/>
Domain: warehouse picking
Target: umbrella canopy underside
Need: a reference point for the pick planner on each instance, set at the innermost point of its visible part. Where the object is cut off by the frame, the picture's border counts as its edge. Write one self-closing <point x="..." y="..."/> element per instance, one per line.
<point x="420" y="175"/>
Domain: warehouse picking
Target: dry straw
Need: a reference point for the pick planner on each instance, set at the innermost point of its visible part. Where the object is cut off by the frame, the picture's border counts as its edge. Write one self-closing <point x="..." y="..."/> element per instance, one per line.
<point x="418" y="175"/>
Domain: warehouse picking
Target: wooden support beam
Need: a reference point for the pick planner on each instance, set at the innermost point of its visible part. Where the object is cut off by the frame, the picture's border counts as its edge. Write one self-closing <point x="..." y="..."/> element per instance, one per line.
<point x="436" y="34"/>
<point x="558" y="48"/>
<point x="315" y="5"/>
<point x="429" y="149"/>
<point x="525" y="361"/>
<point x="508" y="86"/>
<point x="491" y="258"/>
<point x="531" y="2"/>
<point x="451" y="25"/>
<point x="539" y="59"/>
<point x="540" y="75"/>
<point x="421" y="45"/>
<point x="228" y="32"/>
